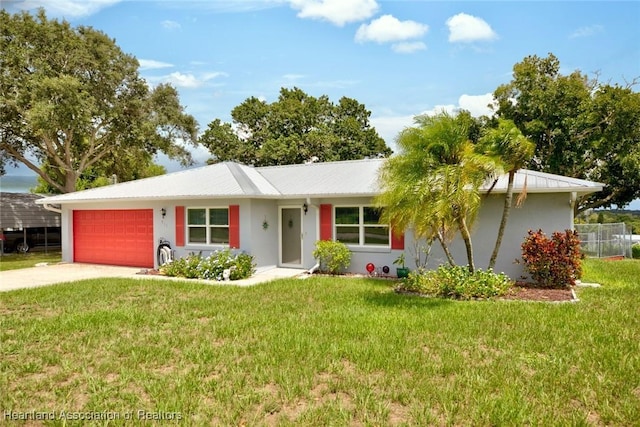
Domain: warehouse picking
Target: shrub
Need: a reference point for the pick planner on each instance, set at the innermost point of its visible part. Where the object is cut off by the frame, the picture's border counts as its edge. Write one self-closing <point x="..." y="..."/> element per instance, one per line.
<point x="635" y="251"/>
<point x="245" y="267"/>
<point x="193" y="266"/>
<point x="458" y="283"/>
<point x="553" y="262"/>
<point x="183" y="267"/>
<point x="334" y="256"/>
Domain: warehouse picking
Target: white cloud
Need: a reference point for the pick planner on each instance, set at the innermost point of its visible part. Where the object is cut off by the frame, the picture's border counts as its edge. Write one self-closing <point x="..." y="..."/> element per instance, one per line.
<point x="408" y="47"/>
<point x="210" y="76"/>
<point x="389" y="126"/>
<point x="151" y="64"/>
<point x="587" y="31"/>
<point x="477" y="105"/>
<point x="448" y="108"/>
<point x="171" y="25"/>
<point x="467" y="28"/>
<point x="186" y="80"/>
<point x="338" y="12"/>
<point x="65" y="8"/>
<point x="387" y="28"/>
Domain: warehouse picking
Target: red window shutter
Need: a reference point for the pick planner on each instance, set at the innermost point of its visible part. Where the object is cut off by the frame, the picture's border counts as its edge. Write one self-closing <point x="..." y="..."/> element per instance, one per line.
<point x="397" y="240"/>
<point x="180" y="226"/>
<point x="234" y="226"/>
<point x="326" y="226"/>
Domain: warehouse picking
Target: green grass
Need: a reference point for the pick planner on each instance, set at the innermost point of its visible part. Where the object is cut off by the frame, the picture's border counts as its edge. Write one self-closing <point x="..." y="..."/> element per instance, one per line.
<point x="29" y="259"/>
<point x="323" y="351"/>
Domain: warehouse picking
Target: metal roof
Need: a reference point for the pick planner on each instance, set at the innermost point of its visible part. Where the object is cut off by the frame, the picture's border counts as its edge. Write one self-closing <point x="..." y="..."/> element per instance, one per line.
<point x="330" y="179"/>
<point x="346" y="178"/>
<point x="541" y="182"/>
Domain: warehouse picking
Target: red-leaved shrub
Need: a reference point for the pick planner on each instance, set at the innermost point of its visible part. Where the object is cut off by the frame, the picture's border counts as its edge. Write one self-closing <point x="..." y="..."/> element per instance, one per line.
<point x="553" y="262"/>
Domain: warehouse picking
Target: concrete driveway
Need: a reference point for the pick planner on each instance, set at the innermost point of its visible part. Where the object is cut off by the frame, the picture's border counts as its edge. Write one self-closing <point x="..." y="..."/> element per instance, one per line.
<point x="59" y="273"/>
<point x="71" y="272"/>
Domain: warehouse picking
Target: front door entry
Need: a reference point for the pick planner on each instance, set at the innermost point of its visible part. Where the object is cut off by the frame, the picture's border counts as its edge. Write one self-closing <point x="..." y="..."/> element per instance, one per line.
<point x="291" y="237"/>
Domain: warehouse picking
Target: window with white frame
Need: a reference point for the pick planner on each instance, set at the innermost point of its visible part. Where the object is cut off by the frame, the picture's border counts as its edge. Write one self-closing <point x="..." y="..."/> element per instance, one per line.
<point x="360" y="225"/>
<point x="208" y="226"/>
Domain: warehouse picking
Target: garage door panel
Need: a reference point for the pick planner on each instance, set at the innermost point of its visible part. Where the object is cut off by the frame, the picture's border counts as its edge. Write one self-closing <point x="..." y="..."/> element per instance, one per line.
<point x="114" y="237"/>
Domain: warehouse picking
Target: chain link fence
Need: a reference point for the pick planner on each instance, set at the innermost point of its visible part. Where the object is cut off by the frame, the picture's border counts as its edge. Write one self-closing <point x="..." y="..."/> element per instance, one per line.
<point x="604" y="240"/>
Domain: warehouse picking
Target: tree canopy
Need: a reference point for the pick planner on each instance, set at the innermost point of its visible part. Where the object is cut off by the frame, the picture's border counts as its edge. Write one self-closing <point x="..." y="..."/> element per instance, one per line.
<point x="581" y="128"/>
<point x="71" y="101"/>
<point x="294" y="129"/>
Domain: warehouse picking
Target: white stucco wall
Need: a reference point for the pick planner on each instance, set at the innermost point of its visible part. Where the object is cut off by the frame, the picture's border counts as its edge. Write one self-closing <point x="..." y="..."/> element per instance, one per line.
<point x="550" y="212"/>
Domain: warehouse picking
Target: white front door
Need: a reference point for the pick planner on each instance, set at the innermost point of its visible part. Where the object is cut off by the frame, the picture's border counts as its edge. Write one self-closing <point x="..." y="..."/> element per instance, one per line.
<point x="290" y="236"/>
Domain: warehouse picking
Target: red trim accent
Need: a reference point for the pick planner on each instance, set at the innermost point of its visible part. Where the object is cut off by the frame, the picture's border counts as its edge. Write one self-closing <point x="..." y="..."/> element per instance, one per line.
<point x="180" y="226"/>
<point x="326" y="225"/>
<point x="234" y="226"/>
<point x="397" y="241"/>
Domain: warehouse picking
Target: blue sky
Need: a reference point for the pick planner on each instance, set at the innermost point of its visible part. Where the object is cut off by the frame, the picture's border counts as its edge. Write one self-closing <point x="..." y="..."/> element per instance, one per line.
<point x="398" y="58"/>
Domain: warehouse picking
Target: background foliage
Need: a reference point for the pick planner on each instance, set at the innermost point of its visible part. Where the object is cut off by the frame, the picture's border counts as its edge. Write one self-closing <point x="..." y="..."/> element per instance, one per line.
<point x="582" y="128"/>
<point x="294" y="129"/>
<point x="74" y="108"/>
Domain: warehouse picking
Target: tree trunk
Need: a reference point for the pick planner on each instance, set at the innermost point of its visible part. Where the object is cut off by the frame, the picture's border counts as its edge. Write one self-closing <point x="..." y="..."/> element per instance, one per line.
<point x="505" y="217"/>
<point x="445" y="248"/>
<point x="466" y="236"/>
<point x="70" y="179"/>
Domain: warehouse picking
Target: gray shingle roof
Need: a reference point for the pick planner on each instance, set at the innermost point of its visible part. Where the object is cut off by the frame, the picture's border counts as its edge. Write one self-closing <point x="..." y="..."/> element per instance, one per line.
<point x="19" y="210"/>
<point x="331" y="179"/>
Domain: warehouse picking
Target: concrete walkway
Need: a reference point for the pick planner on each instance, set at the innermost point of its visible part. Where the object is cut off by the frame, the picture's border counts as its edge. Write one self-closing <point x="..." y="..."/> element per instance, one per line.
<point x="60" y="273"/>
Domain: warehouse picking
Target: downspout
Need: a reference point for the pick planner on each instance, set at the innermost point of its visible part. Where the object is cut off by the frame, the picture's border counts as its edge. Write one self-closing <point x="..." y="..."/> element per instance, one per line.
<point x="572" y="203"/>
<point x="313" y="269"/>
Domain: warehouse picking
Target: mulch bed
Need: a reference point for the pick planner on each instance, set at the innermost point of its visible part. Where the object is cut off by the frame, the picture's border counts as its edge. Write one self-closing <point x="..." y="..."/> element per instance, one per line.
<point x="524" y="292"/>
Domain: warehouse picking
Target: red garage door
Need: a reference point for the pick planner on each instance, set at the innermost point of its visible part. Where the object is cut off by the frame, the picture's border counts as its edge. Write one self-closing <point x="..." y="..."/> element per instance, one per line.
<point x="114" y="237"/>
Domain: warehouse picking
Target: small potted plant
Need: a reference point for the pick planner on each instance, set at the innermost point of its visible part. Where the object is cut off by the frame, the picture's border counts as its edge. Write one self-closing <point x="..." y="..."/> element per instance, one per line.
<point x="401" y="271"/>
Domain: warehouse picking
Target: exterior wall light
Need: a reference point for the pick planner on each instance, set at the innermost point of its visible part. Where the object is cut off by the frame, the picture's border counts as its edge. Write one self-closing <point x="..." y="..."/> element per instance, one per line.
<point x="305" y="208"/>
<point x="163" y="212"/>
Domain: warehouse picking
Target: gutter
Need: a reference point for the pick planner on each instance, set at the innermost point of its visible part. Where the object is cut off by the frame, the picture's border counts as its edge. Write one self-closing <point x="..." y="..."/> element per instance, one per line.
<point x="51" y="208"/>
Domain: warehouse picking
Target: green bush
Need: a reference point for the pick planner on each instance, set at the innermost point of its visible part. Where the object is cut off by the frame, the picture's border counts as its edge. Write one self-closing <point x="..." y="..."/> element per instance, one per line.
<point x="183" y="267"/>
<point x="635" y="251"/>
<point x="334" y="256"/>
<point x="457" y="283"/>
<point x="194" y="266"/>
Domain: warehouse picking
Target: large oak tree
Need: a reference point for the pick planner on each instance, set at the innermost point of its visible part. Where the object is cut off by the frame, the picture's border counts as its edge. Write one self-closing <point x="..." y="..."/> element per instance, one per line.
<point x="581" y="127"/>
<point x="294" y="129"/>
<point x="72" y="101"/>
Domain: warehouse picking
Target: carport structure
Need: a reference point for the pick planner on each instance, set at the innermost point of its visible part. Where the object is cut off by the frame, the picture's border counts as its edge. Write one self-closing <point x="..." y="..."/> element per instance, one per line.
<point x="24" y="223"/>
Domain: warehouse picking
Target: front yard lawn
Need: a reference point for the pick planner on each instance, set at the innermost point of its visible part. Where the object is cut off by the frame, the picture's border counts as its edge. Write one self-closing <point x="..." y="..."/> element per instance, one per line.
<point x="322" y="351"/>
<point x="15" y="261"/>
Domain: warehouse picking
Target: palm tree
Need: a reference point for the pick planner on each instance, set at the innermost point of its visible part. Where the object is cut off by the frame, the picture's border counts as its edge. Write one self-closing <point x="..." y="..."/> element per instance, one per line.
<point x="509" y="146"/>
<point x="433" y="184"/>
